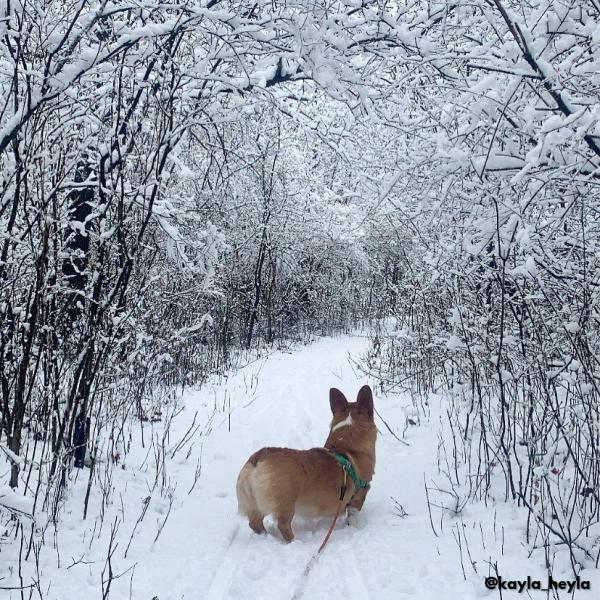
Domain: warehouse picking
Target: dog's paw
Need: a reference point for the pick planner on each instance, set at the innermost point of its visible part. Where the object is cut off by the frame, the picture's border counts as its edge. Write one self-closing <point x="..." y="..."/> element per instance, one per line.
<point x="352" y="517"/>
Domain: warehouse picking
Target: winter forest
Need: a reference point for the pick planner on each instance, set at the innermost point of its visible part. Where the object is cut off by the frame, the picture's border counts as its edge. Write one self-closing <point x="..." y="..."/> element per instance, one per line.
<point x="214" y="211"/>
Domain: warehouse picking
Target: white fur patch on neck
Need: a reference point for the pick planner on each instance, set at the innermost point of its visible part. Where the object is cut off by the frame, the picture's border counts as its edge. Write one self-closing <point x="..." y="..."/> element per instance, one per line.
<point x="346" y="422"/>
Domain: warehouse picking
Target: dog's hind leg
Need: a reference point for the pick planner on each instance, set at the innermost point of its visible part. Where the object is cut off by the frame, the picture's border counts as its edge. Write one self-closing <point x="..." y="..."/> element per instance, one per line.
<point x="256" y="522"/>
<point x="247" y="501"/>
<point x="284" y="515"/>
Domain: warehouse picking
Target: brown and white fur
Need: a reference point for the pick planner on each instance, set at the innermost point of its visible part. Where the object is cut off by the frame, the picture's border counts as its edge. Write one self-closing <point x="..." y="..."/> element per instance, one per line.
<point x="282" y="481"/>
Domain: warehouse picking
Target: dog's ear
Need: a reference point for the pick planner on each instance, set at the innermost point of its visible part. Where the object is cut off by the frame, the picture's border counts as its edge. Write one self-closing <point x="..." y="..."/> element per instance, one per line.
<point x="337" y="401"/>
<point x="365" y="401"/>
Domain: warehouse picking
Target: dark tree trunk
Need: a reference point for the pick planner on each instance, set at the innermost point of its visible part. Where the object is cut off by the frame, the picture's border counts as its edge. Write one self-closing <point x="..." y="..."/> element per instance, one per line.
<point x="253" y="313"/>
<point x="77" y="240"/>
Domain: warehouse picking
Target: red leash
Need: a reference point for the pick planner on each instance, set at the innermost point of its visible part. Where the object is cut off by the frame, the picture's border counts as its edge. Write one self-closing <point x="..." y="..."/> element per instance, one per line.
<point x="331" y="527"/>
<point x="315" y="557"/>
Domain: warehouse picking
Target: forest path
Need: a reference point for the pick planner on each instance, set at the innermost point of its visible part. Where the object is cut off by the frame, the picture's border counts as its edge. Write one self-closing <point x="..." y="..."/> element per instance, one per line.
<point x="208" y="551"/>
<point x="178" y="536"/>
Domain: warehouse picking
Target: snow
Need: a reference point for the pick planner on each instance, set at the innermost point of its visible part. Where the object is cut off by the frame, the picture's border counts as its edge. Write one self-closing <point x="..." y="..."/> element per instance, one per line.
<point x="14" y="458"/>
<point x="189" y="542"/>
<point x="14" y="502"/>
<point x="454" y="343"/>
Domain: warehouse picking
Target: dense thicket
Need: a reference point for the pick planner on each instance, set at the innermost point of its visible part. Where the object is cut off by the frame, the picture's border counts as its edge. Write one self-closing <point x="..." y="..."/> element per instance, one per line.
<point x="497" y="301"/>
<point x="163" y="202"/>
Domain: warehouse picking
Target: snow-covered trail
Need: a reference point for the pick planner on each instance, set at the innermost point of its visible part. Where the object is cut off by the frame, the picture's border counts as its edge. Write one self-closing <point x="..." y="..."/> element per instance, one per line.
<point x="208" y="551"/>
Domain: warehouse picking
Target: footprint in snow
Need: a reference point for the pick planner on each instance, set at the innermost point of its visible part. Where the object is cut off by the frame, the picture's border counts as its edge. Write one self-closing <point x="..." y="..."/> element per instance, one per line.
<point x="256" y="566"/>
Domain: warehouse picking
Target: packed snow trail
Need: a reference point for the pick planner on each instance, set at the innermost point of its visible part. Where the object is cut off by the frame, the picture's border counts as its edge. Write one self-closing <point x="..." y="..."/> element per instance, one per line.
<point x="189" y="543"/>
<point x="208" y="551"/>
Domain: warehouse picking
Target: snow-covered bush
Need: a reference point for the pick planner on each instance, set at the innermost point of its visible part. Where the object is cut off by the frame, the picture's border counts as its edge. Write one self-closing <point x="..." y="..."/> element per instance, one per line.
<point x="117" y="280"/>
<point x="498" y="298"/>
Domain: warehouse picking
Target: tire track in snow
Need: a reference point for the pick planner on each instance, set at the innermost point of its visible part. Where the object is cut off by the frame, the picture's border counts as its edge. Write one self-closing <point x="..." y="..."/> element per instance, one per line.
<point x="221" y="582"/>
<point x="354" y="580"/>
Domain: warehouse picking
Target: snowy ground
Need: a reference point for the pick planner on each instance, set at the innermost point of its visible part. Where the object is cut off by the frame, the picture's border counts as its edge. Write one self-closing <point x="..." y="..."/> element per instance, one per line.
<point x="205" y="550"/>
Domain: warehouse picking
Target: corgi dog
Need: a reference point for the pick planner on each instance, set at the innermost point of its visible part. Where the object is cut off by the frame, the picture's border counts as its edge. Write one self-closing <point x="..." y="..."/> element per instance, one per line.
<point x="282" y="481"/>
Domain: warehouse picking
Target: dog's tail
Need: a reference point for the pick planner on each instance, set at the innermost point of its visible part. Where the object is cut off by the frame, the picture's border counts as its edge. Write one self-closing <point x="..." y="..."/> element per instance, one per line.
<point x="247" y="504"/>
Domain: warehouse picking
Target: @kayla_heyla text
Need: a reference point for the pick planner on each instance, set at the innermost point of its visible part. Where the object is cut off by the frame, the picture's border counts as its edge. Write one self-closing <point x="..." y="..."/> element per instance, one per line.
<point x="521" y="585"/>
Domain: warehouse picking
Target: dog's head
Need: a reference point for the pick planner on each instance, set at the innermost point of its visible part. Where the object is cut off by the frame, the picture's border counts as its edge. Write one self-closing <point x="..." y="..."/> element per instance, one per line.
<point x="348" y="413"/>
